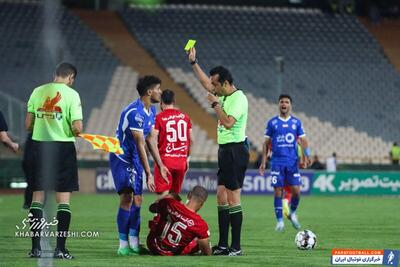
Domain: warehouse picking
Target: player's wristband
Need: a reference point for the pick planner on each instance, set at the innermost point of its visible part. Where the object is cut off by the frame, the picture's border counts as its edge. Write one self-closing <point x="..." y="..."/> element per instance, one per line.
<point x="307" y="152"/>
<point x="214" y="104"/>
<point x="195" y="61"/>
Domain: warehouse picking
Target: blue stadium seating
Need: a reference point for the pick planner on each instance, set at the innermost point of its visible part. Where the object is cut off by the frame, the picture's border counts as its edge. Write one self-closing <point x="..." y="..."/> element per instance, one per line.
<point x="334" y="69"/>
<point x="26" y="37"/>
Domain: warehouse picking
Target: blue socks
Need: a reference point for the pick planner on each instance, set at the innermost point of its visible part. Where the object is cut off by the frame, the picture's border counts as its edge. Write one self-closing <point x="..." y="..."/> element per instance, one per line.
<point x="278" y="208"/>
<point x="294" y="202"/>
<point x="134" y="226"/>
<point x="128" y="222"/>
<point x="123" y="226"/>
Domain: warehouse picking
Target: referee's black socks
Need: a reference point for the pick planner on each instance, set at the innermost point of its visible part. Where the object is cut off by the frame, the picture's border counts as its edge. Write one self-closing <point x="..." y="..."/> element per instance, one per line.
<point x="223" y="225"/>
<point x="35" y="218"/>
<point x="64" y="218"/>
<point x="236" y="215"/>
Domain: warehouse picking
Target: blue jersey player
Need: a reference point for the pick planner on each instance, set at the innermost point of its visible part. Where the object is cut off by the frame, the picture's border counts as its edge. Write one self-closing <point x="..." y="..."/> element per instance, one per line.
<point x="282" y="132"/>
<point x="135" y="129"/>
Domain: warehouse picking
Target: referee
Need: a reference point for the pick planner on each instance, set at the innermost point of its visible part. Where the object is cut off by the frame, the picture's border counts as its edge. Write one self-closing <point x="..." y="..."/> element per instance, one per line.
<point x="55" y="118"/>
<point x="231" y="108"/>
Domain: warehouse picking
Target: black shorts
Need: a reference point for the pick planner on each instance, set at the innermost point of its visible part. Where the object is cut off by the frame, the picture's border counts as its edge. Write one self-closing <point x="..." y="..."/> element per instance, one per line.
<point x="233" y="159"/>
<point x="55" y="166"/>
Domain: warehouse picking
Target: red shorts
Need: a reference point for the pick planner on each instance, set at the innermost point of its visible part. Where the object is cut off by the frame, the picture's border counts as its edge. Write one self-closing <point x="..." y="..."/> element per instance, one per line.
<point x="175" y="180"/>
<point x="288" y="192"/>
<point x="155" y="249"/>
<point x="192" y="248"/>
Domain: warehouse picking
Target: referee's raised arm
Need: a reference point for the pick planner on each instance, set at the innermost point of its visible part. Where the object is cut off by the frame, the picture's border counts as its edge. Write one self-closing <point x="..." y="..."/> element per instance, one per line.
<point x="201" y="75"/>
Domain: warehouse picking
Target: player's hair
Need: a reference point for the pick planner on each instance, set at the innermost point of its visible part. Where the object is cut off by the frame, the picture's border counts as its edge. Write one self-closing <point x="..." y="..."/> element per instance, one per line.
<point x="168" y="97"/>
<point x="199" y="193"/>
<point x="146" y="83"/>
<point x="224" y="74"/>
<point x="285" y="96"/>
<point x="65" y="69"/>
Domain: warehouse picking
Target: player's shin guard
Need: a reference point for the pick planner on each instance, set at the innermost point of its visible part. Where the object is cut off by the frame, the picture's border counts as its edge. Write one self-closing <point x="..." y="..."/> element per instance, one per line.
<point x="294" y="203"/>
<point x="278" y="208"/>
<point x="223" y="225"/>
<point x="64" y="219"/>
<point x="236" y="215"/>
<point x="36" y="215"/>
<point x="134" y="226"/>
<point x="123" y="227"/>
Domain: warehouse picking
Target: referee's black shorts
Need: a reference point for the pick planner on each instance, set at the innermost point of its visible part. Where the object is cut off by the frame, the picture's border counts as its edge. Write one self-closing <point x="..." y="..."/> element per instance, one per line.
<point x="232" y="162"/>
<point x="55" y="167"/>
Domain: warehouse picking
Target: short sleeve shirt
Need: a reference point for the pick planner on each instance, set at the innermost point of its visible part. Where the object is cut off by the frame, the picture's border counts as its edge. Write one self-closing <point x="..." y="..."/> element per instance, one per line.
<point x="284" y="135"/>
<point x="173" y="137"/>
<point x="234" y="105"/>
<point x="55" y="106"/>
<point x="134" y="117"/>
<point x="178" y="226"/>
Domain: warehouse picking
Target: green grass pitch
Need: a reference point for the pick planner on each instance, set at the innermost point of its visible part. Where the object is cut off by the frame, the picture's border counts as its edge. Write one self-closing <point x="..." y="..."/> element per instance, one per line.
<point x="360" y="222"/>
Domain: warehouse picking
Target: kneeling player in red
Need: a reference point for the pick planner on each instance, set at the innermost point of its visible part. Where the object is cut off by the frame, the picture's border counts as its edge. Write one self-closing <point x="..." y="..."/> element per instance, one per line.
<point x="178" y="229"/>
<point x="173" y="130"/>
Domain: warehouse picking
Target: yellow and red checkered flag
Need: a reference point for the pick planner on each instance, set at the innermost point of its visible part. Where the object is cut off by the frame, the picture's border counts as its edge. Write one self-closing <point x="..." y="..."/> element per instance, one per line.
<point x="106" y="143"/>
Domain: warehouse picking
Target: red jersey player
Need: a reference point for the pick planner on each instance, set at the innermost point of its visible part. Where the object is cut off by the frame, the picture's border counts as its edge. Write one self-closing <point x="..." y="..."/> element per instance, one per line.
<point x="178" y="229"/>
<point x="173" y="130"/>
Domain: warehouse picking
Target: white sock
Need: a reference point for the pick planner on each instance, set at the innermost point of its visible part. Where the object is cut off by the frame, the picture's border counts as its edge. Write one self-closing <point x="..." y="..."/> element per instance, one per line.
<point x="133" y="241"/>
<point x="123" y="243"/>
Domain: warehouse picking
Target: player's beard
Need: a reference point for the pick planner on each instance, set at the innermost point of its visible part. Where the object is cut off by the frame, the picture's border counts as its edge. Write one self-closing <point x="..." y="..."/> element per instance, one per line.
<point x="285" y="111"/>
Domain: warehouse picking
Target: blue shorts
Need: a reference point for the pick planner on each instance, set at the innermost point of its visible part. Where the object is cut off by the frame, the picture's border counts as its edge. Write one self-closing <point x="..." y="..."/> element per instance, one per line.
<point x="126" y="175"/>
<point x="282" y="175"/>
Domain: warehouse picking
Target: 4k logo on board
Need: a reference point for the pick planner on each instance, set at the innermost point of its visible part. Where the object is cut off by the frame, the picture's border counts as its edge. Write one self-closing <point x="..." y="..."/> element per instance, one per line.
<point x="50" y="108"/>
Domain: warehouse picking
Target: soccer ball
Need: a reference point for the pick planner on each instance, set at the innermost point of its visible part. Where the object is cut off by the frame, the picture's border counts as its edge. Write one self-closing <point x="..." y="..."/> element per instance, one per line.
<point x="305" y="240"/>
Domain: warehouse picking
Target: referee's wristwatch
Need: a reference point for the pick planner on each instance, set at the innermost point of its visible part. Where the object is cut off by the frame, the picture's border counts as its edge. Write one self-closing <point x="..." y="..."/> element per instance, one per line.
<point x="214" y="104"/>
<point x="195" y="61"/>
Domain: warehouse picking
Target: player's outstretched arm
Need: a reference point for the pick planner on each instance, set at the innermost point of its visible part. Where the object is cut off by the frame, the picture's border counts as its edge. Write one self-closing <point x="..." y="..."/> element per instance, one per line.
<point x="200" y="74"/>
<point x="204" y="245"/>
<point x="261" y="169"/>
<point x="140" y="142"/>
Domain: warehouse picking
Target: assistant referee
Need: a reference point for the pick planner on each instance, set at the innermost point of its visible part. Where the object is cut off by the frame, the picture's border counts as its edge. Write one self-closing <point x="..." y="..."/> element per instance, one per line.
<point x="231" y="108"/>
<point x="55" y="118"/>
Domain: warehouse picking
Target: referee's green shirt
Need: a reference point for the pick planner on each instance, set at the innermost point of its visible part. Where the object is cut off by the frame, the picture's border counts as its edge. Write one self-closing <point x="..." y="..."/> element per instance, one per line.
<point x="234" y="105"/>
<point x="55" y="106"/>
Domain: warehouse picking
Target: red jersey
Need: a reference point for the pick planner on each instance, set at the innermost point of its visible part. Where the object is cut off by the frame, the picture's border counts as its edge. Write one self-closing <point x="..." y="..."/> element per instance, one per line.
<point x="173" y="137"/>
<point x="175" y="227"/>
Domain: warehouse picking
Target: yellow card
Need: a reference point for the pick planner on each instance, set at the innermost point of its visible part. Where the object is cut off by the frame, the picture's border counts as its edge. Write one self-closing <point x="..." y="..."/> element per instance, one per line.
<point x="190" y="44"/>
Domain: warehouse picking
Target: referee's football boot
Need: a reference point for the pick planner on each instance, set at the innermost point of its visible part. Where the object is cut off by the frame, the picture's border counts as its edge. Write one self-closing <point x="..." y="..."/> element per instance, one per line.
<point x="220" y="251"/>
<point x="64" y="255"/>
<point x="35" y="253"/>
<point x="235" y="252"/>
